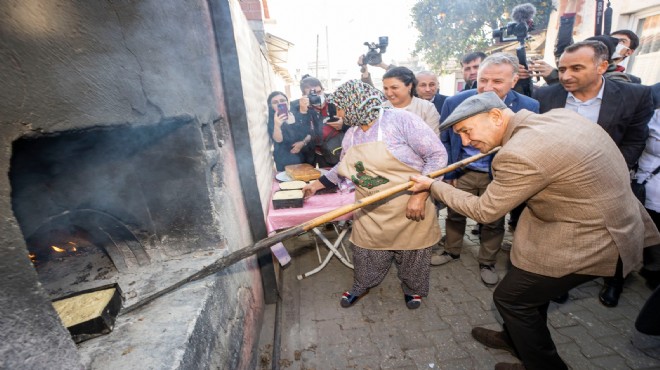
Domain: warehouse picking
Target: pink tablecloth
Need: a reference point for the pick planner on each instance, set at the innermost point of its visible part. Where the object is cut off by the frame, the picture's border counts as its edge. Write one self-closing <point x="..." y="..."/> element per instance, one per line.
<point x="313" y="207"/>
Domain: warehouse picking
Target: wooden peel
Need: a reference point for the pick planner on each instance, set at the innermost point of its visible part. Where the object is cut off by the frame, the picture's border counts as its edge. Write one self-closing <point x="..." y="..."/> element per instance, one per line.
<point x="243" y="253"/>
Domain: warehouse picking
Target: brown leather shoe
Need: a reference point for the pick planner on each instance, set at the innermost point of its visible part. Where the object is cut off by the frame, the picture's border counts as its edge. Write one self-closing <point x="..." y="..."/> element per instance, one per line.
<point x="508" y="366"/>
<point x="493" y="339"/>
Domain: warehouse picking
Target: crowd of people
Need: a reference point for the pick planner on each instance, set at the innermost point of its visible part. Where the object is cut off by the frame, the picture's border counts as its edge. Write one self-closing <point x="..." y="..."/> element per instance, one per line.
<point x="569" y="155"/>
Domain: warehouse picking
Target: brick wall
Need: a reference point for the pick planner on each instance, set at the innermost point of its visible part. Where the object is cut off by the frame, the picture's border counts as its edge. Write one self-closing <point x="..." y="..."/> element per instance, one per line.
<point x="252" y="9"/>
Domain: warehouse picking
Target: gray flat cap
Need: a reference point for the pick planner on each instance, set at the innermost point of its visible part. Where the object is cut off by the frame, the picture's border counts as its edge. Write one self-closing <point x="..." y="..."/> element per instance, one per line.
<point x="480" y="103"/>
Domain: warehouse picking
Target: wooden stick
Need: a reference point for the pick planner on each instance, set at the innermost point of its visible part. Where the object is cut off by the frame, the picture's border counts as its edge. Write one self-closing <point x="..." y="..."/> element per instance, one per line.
<point x="386" y="193"/>
<point x="243" y="253"/>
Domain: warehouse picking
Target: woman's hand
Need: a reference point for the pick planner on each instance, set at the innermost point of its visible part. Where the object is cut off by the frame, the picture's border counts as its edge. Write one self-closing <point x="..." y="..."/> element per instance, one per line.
<point x="304" y="104"/>
<point x="416" y="206"/>
<point x="311" y="188"/>
<point x="280" y="119"/>
<point x="297" y="147"/>
<point x="278" y="137"/>
<point x="337" y="125"/>
<point x="422" y="183"/>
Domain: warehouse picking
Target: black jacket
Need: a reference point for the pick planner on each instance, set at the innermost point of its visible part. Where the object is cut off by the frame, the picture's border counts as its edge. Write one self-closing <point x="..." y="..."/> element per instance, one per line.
<point x="438" y="101"/>
<point x="624" y="113"/>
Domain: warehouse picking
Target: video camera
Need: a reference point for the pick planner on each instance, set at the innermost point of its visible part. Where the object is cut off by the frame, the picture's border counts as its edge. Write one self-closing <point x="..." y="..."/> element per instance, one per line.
<point x="375" y="54"/>
<point x="512" y="32"/>
<point x="518" y="30"/>
<point x="523" y="16"/>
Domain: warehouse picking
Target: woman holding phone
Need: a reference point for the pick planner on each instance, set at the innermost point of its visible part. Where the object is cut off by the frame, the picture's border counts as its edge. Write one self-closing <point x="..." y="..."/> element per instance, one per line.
<point x="291" y="132"/>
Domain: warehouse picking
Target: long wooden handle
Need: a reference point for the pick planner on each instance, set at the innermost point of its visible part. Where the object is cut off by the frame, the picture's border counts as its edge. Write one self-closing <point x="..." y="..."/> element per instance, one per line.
<point x="306" y="226"/>
<point x="243" y="253"/>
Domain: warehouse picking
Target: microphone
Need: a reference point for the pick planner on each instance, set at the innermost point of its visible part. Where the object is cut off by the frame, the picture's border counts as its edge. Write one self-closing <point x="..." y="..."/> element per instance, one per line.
<point x="523" y="13"/>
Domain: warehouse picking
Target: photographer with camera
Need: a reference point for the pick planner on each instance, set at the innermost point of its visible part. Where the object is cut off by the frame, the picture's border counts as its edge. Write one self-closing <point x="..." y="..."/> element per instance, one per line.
<point x="328" y="130"/>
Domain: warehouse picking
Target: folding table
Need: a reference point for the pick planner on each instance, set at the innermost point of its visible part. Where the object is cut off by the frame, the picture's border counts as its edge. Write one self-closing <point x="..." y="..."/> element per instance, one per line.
<point x="313" y="207"/>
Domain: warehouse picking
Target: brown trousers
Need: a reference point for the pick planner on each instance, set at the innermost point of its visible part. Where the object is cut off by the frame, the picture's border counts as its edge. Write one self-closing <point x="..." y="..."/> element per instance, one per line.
<point x="492" y="234"/>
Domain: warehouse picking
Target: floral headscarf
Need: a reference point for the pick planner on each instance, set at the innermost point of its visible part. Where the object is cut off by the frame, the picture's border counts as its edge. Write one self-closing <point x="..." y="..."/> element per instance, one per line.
<point x="360" y="101"/>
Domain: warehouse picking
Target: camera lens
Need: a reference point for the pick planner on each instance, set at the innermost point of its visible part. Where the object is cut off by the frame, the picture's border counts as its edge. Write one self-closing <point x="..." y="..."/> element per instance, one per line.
<point x="314" y="99"/>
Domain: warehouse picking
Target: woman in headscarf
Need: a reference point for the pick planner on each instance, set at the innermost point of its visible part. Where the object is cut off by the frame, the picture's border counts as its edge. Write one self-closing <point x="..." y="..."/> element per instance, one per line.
<point x="383" y="149"/>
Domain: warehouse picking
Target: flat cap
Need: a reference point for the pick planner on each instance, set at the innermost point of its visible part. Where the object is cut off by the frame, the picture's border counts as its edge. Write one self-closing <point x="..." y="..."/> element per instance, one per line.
<point x="480" y="103"/>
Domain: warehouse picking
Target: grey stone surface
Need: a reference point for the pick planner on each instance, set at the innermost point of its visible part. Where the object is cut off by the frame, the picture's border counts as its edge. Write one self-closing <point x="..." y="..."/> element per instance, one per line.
<point x="72" y="65"/>
<point x="437" y="335"/>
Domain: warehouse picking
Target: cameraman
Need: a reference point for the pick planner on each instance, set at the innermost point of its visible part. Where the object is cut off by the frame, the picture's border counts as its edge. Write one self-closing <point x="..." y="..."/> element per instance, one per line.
<point x="325" y="128"/>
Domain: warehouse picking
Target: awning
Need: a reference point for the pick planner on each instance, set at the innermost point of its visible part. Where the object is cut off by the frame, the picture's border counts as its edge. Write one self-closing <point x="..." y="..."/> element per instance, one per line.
<point x="278" y="55"/>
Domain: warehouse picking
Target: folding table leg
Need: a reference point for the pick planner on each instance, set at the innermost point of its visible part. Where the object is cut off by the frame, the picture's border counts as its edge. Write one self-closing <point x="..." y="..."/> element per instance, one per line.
<point x="333" y="251"/>
<point x="338" y="226"/>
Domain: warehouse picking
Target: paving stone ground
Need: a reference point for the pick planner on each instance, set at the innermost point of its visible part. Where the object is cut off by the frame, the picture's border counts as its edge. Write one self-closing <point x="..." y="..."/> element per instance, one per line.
<point x="379" y="332"/>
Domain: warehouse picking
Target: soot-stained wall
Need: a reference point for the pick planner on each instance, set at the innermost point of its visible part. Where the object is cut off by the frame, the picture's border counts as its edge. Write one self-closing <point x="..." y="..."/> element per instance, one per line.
<point x="152" y="179"/>
<point x="76" y="65"/>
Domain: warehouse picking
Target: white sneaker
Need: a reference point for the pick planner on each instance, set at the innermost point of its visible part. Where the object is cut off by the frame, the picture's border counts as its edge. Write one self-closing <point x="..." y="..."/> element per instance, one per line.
<point x="488" y="274"/>
<point x="441" y="259"/>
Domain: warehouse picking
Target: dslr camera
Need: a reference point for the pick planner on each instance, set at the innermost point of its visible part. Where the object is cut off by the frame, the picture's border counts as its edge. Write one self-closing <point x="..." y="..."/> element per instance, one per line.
<point x="314" y="99"/>
<point x="513" y="31"/>
<point x="375" y="54"/>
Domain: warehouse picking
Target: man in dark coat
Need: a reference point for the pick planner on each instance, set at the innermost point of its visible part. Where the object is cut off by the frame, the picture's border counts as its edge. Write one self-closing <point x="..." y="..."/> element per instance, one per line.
<point x="427" y="88"/>
<point x="622" y="109"/>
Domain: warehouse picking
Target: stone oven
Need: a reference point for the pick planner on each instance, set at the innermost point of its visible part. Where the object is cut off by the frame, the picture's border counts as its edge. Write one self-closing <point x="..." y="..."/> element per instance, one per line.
<point x="132" y="156"/>
<point x="116" y="204"/>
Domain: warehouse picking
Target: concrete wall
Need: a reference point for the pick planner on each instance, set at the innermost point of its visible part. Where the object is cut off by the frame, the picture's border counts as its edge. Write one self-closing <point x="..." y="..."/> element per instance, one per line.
<point x="258" y="79"/>
<point x="79" y="64"/>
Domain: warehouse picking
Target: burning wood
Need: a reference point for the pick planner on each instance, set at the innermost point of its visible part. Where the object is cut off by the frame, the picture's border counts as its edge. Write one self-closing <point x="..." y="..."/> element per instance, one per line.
<point x="57" y="249"/>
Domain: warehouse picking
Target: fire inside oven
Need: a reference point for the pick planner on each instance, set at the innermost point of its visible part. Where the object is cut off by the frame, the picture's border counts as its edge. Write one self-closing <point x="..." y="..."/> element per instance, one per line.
<point x="123" y="204"/>
<point x="83" y="248"/>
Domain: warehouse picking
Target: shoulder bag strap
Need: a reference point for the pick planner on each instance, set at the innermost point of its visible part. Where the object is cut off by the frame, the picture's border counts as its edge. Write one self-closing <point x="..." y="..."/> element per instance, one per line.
<point x="655" y="172"/>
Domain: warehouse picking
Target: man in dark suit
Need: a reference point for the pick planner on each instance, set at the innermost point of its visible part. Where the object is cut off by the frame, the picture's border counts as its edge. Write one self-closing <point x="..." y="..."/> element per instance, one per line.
<point x="498" y="73"/>
<point x="427" y="88"/>
<point x="622" y="109"/>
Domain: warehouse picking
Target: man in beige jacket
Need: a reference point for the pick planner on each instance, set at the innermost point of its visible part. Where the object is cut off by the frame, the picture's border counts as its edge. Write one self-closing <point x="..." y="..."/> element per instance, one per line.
<point x="581" y="216"/>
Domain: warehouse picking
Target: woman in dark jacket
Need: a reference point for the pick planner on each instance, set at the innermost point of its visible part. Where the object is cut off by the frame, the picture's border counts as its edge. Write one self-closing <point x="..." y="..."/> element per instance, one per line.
<point x="291" y="132"/>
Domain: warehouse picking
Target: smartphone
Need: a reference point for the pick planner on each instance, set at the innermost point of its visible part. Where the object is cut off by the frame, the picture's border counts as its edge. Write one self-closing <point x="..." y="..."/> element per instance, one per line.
<point x="332" y="113"/>
<point x="282" y="109"/>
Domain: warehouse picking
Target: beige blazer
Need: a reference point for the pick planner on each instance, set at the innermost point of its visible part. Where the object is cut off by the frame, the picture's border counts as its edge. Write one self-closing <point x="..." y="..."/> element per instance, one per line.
<point x="581" y="213"/>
